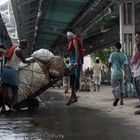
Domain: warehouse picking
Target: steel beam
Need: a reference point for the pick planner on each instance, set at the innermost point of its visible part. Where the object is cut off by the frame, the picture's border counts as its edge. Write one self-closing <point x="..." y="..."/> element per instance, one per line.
<point x="123" y="1"/>
<point x="27" y="23"/>
<point x="26" y="2"/>
<point x="93" y="5"/>
<point x="28" y="33"/>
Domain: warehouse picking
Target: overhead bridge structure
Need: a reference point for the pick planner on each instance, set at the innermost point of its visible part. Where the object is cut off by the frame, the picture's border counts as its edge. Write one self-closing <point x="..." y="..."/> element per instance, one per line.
<point x="44" y="23"/>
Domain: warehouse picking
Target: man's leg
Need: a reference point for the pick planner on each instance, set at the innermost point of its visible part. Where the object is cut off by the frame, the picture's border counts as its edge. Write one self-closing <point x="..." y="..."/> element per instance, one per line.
<point x="72" y="77"/>
<point x="137" y="87"/>
<point x="77" y="77"/>
<point x="121" y="85"/>
<point x="14" y="98"/>
<point x="121" y="101"/>
<point x="73" y="80"/>
<point x="114" y="94"/>
<point x="94" y="87"/>
<point x="99" y="83"/>
<point x="98" y="87"/>
<point x="95" y="83"/>
<point x="114" y="84"/>
<point x="4" y="92"/>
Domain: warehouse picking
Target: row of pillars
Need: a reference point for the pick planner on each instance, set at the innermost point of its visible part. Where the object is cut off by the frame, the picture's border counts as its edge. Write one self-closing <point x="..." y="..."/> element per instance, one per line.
<point x="127" y="24"/>
<point x="127" y="31"/>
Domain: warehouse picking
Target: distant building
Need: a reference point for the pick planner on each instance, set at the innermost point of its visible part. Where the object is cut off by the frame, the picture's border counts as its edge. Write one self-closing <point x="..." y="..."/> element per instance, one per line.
<point x="5" y="39"/>
<point x="9" y="20"/>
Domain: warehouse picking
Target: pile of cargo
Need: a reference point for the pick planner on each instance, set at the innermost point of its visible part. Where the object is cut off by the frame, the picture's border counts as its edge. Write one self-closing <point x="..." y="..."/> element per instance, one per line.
<point x="37" y="74"/>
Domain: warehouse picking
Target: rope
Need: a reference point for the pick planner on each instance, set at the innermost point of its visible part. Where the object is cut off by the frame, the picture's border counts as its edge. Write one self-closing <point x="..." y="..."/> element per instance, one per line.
<point x="32" y="77"/>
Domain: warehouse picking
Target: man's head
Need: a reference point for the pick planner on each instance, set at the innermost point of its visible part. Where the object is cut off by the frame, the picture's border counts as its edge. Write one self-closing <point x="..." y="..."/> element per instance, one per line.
<point x="137" y="37"/>
<point x="118" y="46"/>
<point x="97" y="59"/>
<point x="23" y="44"/>
<point x="70" y="35"/>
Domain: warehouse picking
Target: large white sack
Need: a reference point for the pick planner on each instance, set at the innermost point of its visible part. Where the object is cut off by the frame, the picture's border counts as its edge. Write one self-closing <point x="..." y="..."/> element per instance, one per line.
<point x="31" y="78"/>
<point x="43" y="55"/>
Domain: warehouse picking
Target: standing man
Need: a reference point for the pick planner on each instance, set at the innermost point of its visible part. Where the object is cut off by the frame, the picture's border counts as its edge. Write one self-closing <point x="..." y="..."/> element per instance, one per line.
<point x="118" y="64"/>
<point x="10" y="74"/>
<point x="135" y="64"/>
<point x="97" y="69"/>
<point x="75" y="49"/>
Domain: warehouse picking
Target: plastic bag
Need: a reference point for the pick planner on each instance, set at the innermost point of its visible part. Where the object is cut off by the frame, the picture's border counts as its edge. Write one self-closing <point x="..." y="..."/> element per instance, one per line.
<point x="129" y="89"/>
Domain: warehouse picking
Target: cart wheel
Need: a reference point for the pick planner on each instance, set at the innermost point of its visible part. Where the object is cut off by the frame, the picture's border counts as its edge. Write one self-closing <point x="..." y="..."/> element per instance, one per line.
<point x="33" y="104"/>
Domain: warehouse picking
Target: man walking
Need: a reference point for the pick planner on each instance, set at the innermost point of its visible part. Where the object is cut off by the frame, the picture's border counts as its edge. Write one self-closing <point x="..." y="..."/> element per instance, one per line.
<point x="97" y="69"/>
<point x="118" y="64"/>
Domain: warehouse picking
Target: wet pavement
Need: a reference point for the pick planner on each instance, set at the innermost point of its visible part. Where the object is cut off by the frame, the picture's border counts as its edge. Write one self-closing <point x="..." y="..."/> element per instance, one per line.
<point x="56" y="121"/>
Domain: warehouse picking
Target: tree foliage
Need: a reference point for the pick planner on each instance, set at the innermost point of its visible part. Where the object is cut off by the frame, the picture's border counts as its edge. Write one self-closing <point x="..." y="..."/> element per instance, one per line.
<point x="102" y="54"/>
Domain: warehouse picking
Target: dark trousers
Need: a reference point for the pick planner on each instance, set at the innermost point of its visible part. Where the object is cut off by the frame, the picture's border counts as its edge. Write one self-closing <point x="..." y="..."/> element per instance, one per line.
<point x="75" y="78"/>
<point x="137" y="85"/>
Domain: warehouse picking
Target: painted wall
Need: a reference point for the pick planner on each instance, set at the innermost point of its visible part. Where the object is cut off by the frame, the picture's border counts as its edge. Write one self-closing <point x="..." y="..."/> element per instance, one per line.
<point x="87" y="62"/>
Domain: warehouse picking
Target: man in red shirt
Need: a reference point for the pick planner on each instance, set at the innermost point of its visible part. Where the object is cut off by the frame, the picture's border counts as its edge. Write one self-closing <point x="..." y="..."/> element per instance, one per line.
<point x="75" y="49"/>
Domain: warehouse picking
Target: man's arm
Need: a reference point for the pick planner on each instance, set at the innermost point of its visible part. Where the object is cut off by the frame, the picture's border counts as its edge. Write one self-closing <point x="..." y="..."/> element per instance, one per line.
<point x="75" y="44"/>
<point x="126" y="68"/>
<point x="126" y="71"/>
<point x="109" y="66"/>
<point x="110" y="62"/>
<point x="20" y="55"/>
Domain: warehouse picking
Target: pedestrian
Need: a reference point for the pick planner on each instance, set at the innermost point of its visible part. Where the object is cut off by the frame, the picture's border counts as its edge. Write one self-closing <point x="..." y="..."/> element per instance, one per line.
<point x="118" y="64"/>
<point x="10" y="74"/>
<point x="75" y="49"/>
<point x="135" y="64"/>
<point x="88" y="73"/>
<point x="97" y="69"/>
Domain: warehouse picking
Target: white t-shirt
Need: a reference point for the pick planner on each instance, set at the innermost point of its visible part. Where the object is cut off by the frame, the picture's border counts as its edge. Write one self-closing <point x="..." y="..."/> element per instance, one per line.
<point x="97" y="70"/>
<point x="15" y="60"/>
<point x="135" y="68"/>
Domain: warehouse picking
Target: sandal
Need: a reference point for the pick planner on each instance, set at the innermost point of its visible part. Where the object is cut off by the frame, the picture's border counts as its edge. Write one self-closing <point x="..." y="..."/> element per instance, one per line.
<point x="69" y="102"/>
<point x="75" y="100"/>
<point x="121" y="103"/>
<point x="116" y="102"/>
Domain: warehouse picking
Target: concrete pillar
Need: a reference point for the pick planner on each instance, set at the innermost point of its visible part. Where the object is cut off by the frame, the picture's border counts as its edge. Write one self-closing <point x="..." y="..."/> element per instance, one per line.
<point x="127" y="26"/>
<point x="127" y="35"/>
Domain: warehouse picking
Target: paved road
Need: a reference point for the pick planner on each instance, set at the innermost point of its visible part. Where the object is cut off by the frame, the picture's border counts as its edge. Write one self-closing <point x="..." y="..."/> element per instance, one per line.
<point x="56" y="121"/>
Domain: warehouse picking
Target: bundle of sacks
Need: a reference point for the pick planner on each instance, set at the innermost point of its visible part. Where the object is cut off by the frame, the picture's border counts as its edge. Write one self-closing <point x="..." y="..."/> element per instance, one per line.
<point x="39" y="73"/>
<point x="85" y="83"/>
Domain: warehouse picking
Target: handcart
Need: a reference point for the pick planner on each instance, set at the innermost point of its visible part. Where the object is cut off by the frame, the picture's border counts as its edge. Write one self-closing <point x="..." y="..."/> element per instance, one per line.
<point x="31" y="102"/>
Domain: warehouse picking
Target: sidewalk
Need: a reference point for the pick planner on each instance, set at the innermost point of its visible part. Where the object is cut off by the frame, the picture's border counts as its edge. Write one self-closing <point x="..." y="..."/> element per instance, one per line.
<point x="103" y="100"/>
